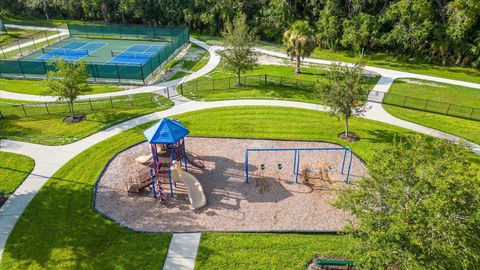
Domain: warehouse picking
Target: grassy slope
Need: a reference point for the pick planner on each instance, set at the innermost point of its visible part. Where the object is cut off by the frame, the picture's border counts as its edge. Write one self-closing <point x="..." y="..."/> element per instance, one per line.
<point x="467" y="129"/>
<point x="51" y="130"/>
<point x="442" y="92"/>
<point x="313" y="74"/>
<point x="384" y="60"/>
<point x="13" y="170"/>
<point x="37" y="87"/>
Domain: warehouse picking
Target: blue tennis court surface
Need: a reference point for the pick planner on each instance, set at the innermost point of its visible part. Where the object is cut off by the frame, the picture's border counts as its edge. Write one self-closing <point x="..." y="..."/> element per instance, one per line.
<point x="72" y="51"/>
<point x="136" y="54"/>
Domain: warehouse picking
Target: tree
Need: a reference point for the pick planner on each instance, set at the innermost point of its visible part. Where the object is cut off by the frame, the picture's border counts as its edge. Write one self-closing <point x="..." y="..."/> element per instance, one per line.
<point x="343" y="93"/>
<point x="417" y="209"/>
<point x="238" y="55"/>
<point x="68" y="81"/>
<point x="299" y="42"/>
<point x="44" y="5"/>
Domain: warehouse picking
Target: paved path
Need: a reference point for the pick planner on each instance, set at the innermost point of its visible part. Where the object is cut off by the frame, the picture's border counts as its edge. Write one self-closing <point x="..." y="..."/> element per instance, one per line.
<point x="182" y="251"/>
<point x="48" y="159"/>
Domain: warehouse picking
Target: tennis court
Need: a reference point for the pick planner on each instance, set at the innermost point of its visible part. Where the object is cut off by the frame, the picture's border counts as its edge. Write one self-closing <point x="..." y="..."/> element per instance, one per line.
<point x="72" y="51"/>
<point x="113" y="53"/>
<point x="137" y="54"/>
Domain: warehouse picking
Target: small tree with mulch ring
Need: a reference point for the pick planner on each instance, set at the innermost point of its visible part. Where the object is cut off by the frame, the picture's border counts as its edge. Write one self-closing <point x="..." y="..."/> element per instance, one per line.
<point x="68" y="81"/>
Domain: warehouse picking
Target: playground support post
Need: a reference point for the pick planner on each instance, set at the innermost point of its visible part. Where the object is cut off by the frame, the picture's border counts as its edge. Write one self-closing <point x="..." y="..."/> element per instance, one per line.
<point x="349" y="166"/>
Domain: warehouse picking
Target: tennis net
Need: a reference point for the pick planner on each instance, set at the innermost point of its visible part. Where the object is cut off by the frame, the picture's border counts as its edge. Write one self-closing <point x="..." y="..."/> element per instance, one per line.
<point x="133" y="54"/>
<point x="63" y="51"/>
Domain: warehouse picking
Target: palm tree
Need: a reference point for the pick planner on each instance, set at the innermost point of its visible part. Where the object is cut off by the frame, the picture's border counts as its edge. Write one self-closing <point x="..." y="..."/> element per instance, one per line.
<point x="299" y="41"/>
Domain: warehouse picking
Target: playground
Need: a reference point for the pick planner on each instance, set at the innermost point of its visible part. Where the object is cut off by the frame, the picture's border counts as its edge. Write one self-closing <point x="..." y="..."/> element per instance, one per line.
<point x="271" y="200"/>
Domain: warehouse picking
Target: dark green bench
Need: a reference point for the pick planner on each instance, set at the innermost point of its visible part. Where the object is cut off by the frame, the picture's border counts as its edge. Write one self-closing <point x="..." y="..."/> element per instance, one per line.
<point x="326" y="262"/>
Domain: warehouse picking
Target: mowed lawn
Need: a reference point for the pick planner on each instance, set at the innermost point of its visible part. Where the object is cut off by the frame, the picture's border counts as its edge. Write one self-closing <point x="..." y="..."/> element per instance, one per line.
<point x="440" y="92"/>
<point x="38" y="87"/>
<point x="463" y="128"/>
<point x="14" y="169"/>
<point x="223" y="87"/>
<point x="51" y="130"/>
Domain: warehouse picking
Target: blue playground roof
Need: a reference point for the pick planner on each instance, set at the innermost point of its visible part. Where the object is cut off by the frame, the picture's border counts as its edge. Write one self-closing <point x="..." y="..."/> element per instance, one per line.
<point x="166" y="131"/>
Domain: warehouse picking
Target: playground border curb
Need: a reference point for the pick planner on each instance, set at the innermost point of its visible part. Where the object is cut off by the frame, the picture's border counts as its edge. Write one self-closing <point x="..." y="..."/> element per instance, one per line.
<point x="94" y="194"/>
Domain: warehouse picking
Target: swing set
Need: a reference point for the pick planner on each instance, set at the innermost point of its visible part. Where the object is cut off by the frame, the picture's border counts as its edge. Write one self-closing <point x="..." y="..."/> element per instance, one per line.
<point x="347" y="154"/>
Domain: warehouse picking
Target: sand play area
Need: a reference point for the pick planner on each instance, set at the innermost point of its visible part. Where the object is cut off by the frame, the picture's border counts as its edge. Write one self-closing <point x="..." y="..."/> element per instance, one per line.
<point x="272" y="201"/>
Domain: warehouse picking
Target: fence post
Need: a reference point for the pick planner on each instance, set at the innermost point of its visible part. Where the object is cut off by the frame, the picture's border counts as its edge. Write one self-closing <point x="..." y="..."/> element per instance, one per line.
<point x="111" y="102"/>
<point x="46" y="38"/>
<point x="471" y="113"/>
<point x="448" y="109"/>
<point x="265" y="79"/>
<point x="213" y="84"/>
<point x="181" y="89"/>
<point x="426" y="103"/>
<point x="404" y="100"/>
<point x="46" y="107"/>
<point x="281" y="81"/>
<point x="34" y="46"/>
<point x="3" y="52"/>
<point x="24" y="111"/>
<point x="228" y="82"/>
<point x="196" y="86"/>
<point x="151" y="97"/>
<point x="21" y="68"/>
<point x="1" y="115"/>
<point x="90" y="102"/>
<point x="118" y="73"/>
<point x="20" y="48"/>
<point x="143" y="74"/>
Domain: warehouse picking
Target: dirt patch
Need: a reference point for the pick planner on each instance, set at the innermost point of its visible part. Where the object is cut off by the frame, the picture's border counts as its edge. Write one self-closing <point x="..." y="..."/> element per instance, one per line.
<point x="350" y="137"/>
<point x="418" y="82"/>
<point x="75" y="119"/>
<point x="272" y="200"/>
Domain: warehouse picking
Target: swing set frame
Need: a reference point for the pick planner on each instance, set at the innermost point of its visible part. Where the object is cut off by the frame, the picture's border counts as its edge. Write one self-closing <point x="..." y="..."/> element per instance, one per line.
<point x="297" y="155"/>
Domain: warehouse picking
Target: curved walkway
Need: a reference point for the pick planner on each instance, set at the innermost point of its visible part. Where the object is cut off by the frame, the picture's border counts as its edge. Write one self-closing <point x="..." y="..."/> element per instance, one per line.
<point x="48" y="159"/>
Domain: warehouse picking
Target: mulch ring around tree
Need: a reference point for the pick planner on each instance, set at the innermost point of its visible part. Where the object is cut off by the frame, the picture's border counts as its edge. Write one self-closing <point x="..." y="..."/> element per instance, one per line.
<point x="352" y="137"/>
<point x="75" y="119"/>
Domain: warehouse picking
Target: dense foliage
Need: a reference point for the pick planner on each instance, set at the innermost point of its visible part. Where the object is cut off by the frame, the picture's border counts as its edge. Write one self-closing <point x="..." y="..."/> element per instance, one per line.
<point x="440" y="31"/>
<point x="418" y="209"/>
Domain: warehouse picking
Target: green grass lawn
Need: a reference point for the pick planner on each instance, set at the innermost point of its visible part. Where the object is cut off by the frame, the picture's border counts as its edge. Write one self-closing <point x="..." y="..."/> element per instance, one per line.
<point x="60" y="230"/>
<point x="223" y="92"/>
<point x="383" y="60"/>
<point x="51" y="130"/>
<point x="193" y="60"/>
<point x="267" y="250"/>
<point x="37" y="87"/>
<point x="13" y="170"/>
<point x="441" y="92"/>
<point x="463" y="128"/>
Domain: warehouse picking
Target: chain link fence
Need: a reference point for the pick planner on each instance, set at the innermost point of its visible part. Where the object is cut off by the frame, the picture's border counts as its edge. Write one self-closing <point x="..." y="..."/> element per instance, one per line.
<point x="29" y="44"/>
<point x="196" y="87"/>
<point x="15" y="110"/>
<point x="428" y="105"/>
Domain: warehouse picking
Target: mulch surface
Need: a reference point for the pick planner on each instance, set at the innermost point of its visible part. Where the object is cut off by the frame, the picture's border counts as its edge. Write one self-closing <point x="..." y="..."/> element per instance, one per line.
<point x="272" y="201"/>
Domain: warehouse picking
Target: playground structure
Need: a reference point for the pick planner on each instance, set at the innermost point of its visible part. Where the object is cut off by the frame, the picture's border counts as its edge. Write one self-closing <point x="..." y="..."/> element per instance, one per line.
<point x="326" y="167"/>
<point x="167" y="145"/>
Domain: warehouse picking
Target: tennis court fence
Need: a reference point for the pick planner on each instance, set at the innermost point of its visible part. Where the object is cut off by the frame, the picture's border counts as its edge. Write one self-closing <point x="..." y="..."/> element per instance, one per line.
<point x="106" y="72"/>
<point x="29" y="44"/>
<point x="3" y="29"/>
<point x="15" y="110"/>
<point x="428" y="105"/>
<point x="125" y="31"/>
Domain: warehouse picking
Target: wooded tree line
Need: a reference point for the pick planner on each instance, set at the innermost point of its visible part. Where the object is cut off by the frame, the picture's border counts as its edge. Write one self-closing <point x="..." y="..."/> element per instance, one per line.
<point x="440" y="31"/>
